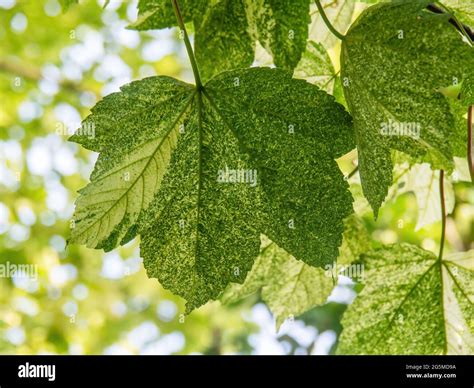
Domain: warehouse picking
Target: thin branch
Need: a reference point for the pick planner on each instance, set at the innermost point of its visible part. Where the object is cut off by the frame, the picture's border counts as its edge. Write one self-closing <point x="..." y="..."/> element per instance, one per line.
<point x="327" y="22"/>
<point x="187" y="43"/>
<point x="443" y="213"/>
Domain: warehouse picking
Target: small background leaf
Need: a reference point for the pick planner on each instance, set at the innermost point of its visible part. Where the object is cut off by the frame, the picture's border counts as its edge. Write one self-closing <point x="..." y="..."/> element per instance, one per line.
<point x="411" y="303"/>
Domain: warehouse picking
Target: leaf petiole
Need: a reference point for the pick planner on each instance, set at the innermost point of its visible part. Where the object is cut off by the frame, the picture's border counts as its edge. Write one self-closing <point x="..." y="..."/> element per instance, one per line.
<point x="327" y="22"/>
<point x="462" y="28"/>
<point x="187" y="43"/>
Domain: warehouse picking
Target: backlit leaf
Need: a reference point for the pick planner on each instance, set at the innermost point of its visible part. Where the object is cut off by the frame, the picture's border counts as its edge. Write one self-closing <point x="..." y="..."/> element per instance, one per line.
<point x="199" y="174"/>
<point x="395" y="59"/>
<point x="226" y="31"/>
<point x="290" y="287"/>
<point x="412" y="303"/>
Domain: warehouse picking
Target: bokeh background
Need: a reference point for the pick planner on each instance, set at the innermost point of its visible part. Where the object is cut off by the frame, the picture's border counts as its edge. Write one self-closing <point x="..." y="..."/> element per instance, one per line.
<point x="54" y="66"/>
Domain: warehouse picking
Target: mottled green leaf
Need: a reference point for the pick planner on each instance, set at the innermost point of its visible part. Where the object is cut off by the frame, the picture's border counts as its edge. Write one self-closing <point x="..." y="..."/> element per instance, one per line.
<point x="199" y="174"/>
<point x="316" y="67"/>
<point x="281" y="26"/>
<point x="395" y="59"/>
<point x="459" y="130"/>
<point x="293" y="287"/>
<point x="158" y="14"/>
<point x="356" y="240"/>
<point x="226" y="30"/>
<point x="293" y="135"/>
<point x="135" y="132"/>
<point x="65" y="4"/>
<point x="467" y="91"/>
<point x="258" y="276"/>
<point x="412" y="303"/>
<point x="424" y="183"/>
<point x="222" y="39"/>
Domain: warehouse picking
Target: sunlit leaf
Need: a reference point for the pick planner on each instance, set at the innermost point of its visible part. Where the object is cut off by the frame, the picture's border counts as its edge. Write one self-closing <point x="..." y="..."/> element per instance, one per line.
<point x="412" y="303"/>
<point x="200" y="174"/>
<point x="382" y="58"/>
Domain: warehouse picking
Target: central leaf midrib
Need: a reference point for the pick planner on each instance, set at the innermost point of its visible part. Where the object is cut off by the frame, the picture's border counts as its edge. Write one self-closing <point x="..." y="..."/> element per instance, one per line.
<point x="199" y="188"/>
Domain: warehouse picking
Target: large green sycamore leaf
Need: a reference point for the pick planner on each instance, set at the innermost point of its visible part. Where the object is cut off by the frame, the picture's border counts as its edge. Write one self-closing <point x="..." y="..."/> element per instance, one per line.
<point x="199" y="174"/>
<point x="412" y="303"/>
<point x="395" y="60"/>
<point x="226" y="30"/>
<point x="290" y="287"/>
